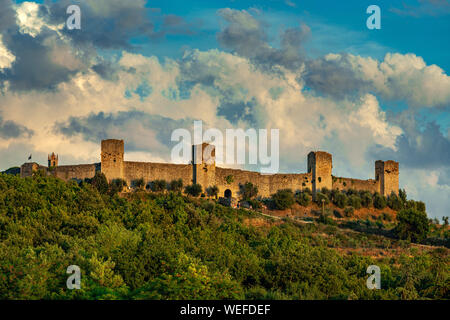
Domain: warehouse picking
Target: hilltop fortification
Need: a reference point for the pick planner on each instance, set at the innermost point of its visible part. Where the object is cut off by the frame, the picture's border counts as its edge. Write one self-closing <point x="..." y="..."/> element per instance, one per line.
<point x="203" y="170"/>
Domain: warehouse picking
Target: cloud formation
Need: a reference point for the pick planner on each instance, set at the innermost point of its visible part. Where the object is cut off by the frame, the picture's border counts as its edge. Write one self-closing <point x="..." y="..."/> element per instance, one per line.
<point x="10" y="129"/>
<point x="58" y="93"/>
<point x="397" y="78"/>
<point x="246" y="36"/>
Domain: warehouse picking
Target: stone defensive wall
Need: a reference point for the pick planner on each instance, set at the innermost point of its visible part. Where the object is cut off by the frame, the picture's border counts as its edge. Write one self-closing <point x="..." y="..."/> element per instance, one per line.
<point x="318" y="176"/>
<point x="267" y="184"/>
<point x="371" y="185"/>
<point x="78" y="172"/>
<point x="150" y="171"/>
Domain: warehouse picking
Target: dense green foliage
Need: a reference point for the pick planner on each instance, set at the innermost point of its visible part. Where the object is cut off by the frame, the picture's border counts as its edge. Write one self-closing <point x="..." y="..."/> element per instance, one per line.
<point x="158" y="185"/>
<point x="212" y="191"/>
<point x="379" y="201"/>
<point x="193" y="190"/>
<point x="248" y="191"/>
<point x="175" y="185"/>
<point x="303" y="199"/>
<point x="413" y="225"/>
<point x="283" y="199"/>
<point x="166" y="246"/>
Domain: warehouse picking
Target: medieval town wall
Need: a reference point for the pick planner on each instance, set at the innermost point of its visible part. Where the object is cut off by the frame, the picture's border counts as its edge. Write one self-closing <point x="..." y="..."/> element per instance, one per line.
<point x="150" y="171"/>
<point x="267" y="184"/>
<point x="206" y="173"/>
<point x="371" y="185"/>
<point x="78" y="172"/>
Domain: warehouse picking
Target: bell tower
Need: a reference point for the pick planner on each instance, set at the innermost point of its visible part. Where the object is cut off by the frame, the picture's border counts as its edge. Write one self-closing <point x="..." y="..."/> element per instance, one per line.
<point x="52" y="160"/>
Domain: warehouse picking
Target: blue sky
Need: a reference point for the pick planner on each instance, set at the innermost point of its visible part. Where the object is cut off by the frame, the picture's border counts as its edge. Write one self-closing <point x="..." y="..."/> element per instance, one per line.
<point x="139" y="69"/>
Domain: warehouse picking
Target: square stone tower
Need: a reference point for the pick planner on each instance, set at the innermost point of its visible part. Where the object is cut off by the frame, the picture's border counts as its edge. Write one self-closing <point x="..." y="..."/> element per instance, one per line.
<point x="320" y="165"/>
<point x="386" y="172"/>
<point x="204" y="165"/>
<point x="112" y="159"/>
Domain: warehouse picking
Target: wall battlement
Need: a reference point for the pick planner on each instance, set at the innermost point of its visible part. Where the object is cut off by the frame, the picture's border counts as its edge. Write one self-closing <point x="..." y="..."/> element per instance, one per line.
<point x="203" y="171"/>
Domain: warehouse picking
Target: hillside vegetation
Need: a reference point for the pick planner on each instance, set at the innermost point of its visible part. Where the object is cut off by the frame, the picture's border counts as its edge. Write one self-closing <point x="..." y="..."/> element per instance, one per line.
<point x="164" y="245"/>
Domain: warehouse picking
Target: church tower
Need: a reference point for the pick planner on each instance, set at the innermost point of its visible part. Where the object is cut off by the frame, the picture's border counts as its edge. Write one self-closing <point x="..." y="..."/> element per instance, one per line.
<point x="52" y="160"/>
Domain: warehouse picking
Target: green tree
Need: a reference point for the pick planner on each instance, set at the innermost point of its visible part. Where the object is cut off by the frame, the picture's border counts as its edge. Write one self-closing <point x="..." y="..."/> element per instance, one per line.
<point x="340" y="200"/>
<point x="319" y="197"/>
<point x="303" y="199"/>
<point x="158" y="185"/>
<point x="366" y="199"/>
<point x="412" y="225"/>
<point x="394" y="202"/>
<point x="175" y="185"/>
<point x="354" y="201"/>
<point x="248" y="191"/>
<point x="379" y="201"/>
<point x="193" y="190"/>
<point x="116" y="186"/>
<point x="139" y="183"/>
<point x="212" y="191"/>
<point x="100" y="182"/>
<point x="283" y="199"/>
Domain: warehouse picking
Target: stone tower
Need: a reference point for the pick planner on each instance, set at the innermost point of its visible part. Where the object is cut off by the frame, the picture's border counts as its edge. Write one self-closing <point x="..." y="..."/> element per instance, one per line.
<point x="320" y="165"/>
<point x="386" y="172"/>
<point x="204" y="165"/>
<point x="52" y="160"/>
<point x="112" y="159"/>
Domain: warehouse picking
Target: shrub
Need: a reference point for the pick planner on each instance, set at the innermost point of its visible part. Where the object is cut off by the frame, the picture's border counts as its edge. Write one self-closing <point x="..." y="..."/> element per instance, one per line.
<point x="307" y="190"/>
<point x="229" y="179"/>
<point x="326" y="192"/>
<point x="379" y="225"/>
<point x="303" y="199"/>
<point x="100" y="182"/>
<point x="116" y="186"/>
<point x="413" y="225"/>
<point x="420" y="206"/>
<point x="248" y="191"/>
<point x="340" y="200"/>
<point x="386" y="216"/>
<point x="379" y="201"/>
<point x="255" y="204"/>
<point x="366" y="199"/>
<point x="212" y="191"/>
<point x="283" y="199"/>
<point x="175" y="185"/>
<point x="320" y="196"/>
<point x="402" y="195"/>
<point x="337" y="214"/>
<point x="158" y="185"/>
<point x="354" y="201"/>
<point x="349" y="211"/>
<point x="193" y="190"/>
<point x="325" y="219"/>
<point x="394" y="202"/>
<point x="138" y="183"/>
